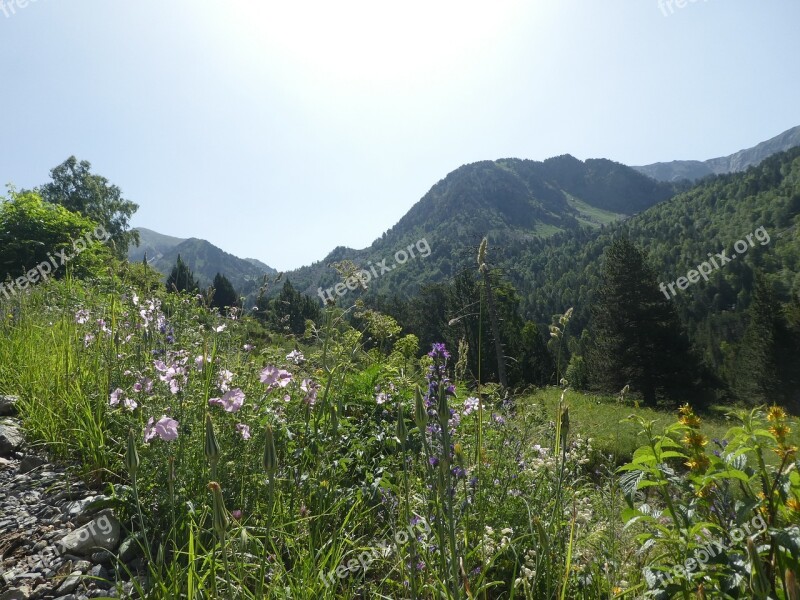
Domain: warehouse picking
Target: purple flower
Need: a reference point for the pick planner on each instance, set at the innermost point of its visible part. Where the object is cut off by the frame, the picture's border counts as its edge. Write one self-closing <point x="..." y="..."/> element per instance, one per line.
<point x="165" y="428"/>
<point x="82" y="316"/>
<point x="434" y="461"/>
<point x="244" y="430"/>
<point x="231" y="401"/>
<point x="438" y="350"/>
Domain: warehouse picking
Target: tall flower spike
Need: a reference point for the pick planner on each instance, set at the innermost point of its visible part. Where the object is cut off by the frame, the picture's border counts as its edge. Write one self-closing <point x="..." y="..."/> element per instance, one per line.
<point x="132" y="456"/>
<point x="211" y="446"/>
<point x="402" y="433"/>
<point x="482" y="255"/>
<point x="420" y="413"/>
<point x="220" y="519"/>
<point x="270" y="456"/>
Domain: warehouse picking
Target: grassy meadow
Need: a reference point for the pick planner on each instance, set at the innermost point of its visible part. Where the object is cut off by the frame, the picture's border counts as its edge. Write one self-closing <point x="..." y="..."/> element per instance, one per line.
<point x="250" y="464"/>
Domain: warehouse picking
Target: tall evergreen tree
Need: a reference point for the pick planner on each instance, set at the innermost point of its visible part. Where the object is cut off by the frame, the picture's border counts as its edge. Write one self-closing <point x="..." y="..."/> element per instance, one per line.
<point x="757" y="377"/>
<point x="181" y="278"/>
<point x="290" y="310"/>
<point x="637" y="338"/>
<point x="224" y="293"/>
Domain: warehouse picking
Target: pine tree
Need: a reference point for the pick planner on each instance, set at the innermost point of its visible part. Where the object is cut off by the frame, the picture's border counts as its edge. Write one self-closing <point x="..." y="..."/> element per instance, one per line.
<point x="757" y="378"/>
<point x="224" y="294"/>
<point x="636" y="336"/>
<point x="181" y="279"/>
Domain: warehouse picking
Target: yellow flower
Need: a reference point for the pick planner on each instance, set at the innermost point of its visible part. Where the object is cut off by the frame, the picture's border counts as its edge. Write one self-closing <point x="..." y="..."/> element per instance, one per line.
<point x="793" y="504"/>
<point x="690" y="420"/>
<point x="786" y="452"/>
<point x="780" y="431"/>
<point x="685" y="409"/>
<point x="697" y="463"/>
<point x="776" y="413"/>
<point x="695" y="439"/>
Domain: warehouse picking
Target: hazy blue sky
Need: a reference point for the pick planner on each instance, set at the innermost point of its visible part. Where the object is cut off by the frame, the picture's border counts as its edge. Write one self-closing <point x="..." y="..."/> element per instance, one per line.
<point x="279" y="130"/>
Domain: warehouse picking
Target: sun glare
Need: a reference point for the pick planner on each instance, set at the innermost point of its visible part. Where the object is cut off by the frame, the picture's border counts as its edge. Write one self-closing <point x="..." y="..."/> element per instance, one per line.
<point x="368" y="42"/>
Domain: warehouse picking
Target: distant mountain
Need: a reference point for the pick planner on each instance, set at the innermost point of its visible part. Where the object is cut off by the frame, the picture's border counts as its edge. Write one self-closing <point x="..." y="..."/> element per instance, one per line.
<point x="507" y="199"/>
<point x="693" y="170"/>
<point x="203" y="258"/>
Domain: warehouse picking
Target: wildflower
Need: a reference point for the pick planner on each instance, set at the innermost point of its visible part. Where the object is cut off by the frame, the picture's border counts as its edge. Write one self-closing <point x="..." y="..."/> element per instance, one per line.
<point x="244" y="430"/>
<point x="433" y="460"/>
<point x="698" y="463"/>
<point x="695" y="439"/>
<point x="688" y="418"/>
<point x="247" y="347"/>
<point x="776" y="413"/>
<point x="780" y="430"/>
<point x="471" y="404"/>
<point x="220" y="329"/>
<point x="231" y="401"/>
<point x="237" y="514"/>
<point x="144" y="384"/>
<point x="165" y="428"/>
<point x="225" y="377"/>
<point x="295" y="356"/>
<point x="382" y="398"/>
<point x="786" y="452"/>
<point x="82" y="316"/>
<point x="311" y="388"/>
<point x="118" y="396"/>
<point x="275" y="377"/>
<point x="793" y="504"/>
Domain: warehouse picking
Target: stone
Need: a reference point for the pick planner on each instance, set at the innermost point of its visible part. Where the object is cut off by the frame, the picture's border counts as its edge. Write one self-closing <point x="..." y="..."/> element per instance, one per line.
<point x="129" y="549"/>
<point x="70" y="583"/>
<point x="10" y="440"/>
<point x="29" y="463"/>
<point x="8" y="406"/>
<point x="20" y="593"/>
<point x="102" y="532"/>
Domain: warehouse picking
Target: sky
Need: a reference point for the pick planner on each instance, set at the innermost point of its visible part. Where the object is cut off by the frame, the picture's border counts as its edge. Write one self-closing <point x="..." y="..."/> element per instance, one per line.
<point x="280" y="130"/>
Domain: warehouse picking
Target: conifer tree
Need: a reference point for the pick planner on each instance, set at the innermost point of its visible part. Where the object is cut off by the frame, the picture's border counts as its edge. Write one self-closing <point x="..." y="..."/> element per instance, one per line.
<point x="757" y="359"/>
<point x="224" y="294"/>
<point x="636" y="336"/>
<point x="181" y="279"/>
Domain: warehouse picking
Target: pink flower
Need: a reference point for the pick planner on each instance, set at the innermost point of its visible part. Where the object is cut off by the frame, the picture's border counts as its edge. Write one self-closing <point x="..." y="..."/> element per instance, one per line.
<point x="244" y="430"/>
<point x="231" y="401"/>
<point x="470" y="405"/>
<point x="225" y="378"/>
<point x="311" y="388"/>
<point x="118" y="396"/>
<point x="165" y="428"/>
<point x="275" y="377"/>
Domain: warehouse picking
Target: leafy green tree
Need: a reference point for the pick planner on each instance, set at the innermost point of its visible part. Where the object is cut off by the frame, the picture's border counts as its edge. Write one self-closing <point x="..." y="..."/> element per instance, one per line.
<point x="224" y="294"/>
<point x="77" y="189"/>
<point x="181" y="279"/>
<point x="637" y="337"/>
<point x="35" y="233"/>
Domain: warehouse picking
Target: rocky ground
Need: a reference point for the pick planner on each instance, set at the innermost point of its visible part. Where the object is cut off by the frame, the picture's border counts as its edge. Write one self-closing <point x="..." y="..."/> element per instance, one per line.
<point x="58" y="539"/>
